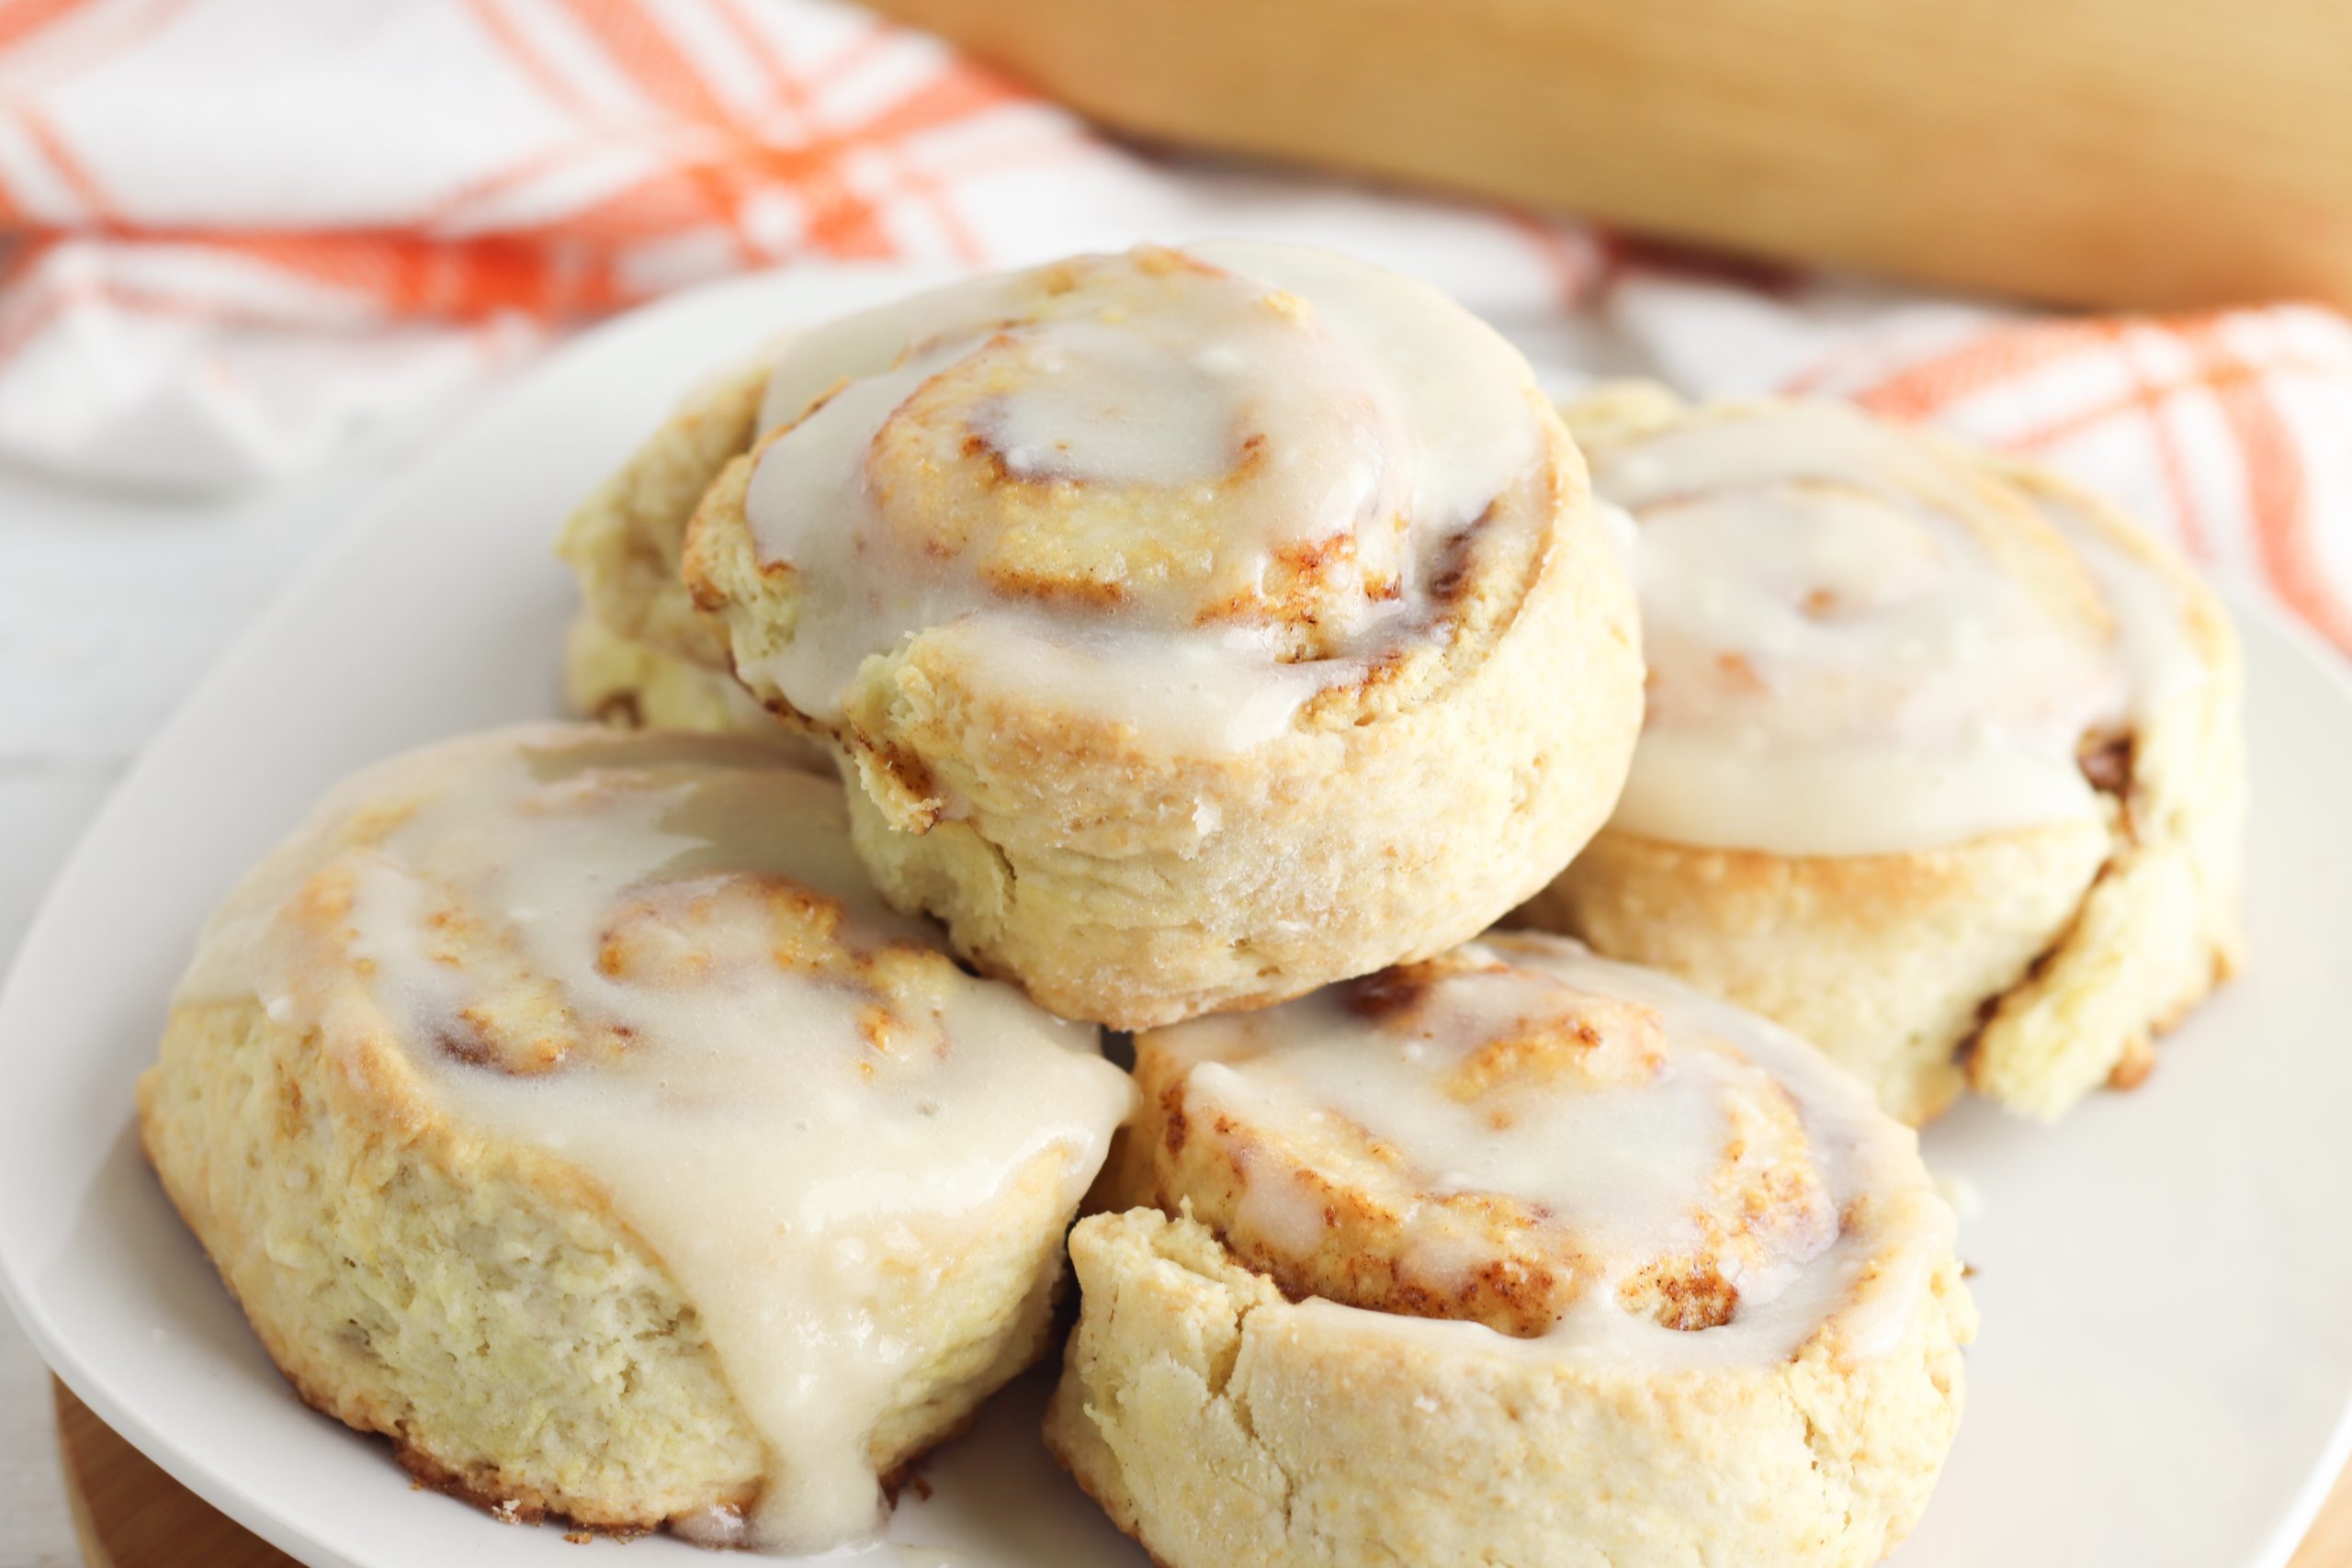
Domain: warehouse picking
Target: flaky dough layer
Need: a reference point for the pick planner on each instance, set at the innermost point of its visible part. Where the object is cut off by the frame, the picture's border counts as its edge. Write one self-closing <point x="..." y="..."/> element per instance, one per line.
<point x="482" y="1307"/>
<point x="1219" y="1423"/>
<point x="624" y="541"/>
<point x="635" y="685"/>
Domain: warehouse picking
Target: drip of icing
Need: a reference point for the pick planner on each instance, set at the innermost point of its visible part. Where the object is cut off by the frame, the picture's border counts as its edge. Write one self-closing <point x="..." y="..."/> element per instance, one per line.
<point x="1840" y="665"/>
<point x="1209" y="694"/>
<point x="1848" y="796"/>
<point x="1189" y="427"/>
<point x="1624" y="1166"/>
<point x="782" y="1087"/>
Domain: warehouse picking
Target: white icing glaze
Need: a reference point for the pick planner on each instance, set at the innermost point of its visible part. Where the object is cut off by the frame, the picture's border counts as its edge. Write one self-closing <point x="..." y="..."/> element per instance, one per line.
<point x="2149" y="610"/>
<point x="1210" y="691"/>
<point x="1261" y="403"/>
<point x="1622" y="1166"/>
<point x="1841" y="664"/>
<point x="792" y="1135"/>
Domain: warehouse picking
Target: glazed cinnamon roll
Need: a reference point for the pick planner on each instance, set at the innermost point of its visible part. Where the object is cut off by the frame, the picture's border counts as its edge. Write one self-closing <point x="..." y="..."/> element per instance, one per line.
<point x="1198" y="626"/>
<point x="630" y="684"/>
<point x="1517" y="1256"/>
<point x="638" y="655"/>
<point x="1943" y="767"/>
<point x="624" y="541"/>
<point x="566" y="1106"/>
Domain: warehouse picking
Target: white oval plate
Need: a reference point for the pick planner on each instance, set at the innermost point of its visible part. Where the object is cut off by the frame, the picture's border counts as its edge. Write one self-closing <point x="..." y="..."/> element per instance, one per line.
<point x="2166" y="1280"/>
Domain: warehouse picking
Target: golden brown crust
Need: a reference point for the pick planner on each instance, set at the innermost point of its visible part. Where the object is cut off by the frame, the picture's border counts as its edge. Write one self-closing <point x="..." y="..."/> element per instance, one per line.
<point x="319" y="1273"/>
<point x="627" y="684"/>
<point x="509" y="1498"/>
<point x="1114" y="1504"/>
<point x="1884" y="960"/>
<point x="624" y="541"/>
<point x="509" y="1501"/>
<point x="319" y="1264"/>
<point x="1219" y="1424"/>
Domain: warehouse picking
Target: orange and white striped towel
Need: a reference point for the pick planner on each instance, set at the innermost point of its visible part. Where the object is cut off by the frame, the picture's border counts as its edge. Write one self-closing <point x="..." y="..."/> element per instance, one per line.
<point x="243" y="231"/>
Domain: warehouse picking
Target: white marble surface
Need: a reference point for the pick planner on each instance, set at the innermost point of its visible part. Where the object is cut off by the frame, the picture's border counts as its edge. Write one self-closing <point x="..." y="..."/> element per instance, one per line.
<point x="110" y="609"/>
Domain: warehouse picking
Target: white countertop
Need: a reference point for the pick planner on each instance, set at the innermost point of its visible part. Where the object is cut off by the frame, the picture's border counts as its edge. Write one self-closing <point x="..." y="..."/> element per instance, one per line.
<point x="110" y="609"/>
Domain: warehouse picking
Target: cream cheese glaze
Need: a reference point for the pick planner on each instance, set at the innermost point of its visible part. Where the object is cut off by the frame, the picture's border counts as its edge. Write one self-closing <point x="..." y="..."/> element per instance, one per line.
<point x="1861" y="643"/>
<point x="1672" y="1120"/>
<point x="656" y="957"/>
<point x="1198" y="486"/>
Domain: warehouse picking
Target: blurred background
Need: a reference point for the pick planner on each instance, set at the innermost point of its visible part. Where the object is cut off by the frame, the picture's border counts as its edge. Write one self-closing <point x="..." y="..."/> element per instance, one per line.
<point x="255" y="254"/>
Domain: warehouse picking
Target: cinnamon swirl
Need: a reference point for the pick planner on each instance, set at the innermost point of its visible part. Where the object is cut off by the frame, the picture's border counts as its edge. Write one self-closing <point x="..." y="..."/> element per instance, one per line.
<point x="1942" y="766"/>
<point x="1199" y="625"/>
<point x="564" y="1105"/>
<point x="1517" y="1256"/>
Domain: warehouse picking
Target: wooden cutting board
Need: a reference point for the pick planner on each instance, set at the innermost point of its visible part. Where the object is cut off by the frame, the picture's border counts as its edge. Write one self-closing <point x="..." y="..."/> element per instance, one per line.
<point x="130" y="1514"/>
<point x="2119" y="152"/>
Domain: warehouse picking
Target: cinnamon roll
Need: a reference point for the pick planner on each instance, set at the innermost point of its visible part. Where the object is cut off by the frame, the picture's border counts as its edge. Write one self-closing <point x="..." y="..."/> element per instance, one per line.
<point x="1943" y="766"/>
<point x="638" y="655"/>
<point x="564" y="1105"/>
<point x="630" y="684"/>
<point x="1516" y="1254"/>
<point x="1198" y="626"/>
<point x="624" y="541"/>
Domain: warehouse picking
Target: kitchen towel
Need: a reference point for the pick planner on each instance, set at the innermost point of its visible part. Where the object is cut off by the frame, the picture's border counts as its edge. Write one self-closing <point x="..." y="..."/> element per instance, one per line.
<point x="241" y="234"/>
